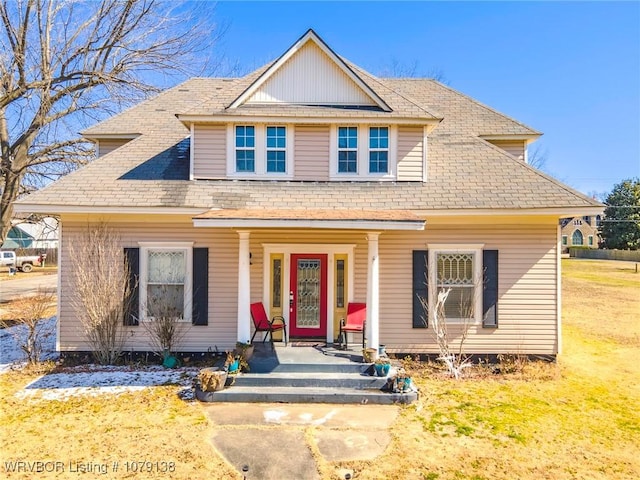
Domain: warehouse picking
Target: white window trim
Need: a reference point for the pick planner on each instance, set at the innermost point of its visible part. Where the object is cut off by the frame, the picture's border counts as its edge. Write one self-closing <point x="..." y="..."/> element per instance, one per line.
<point x="476" y="250"/>
<point x="188" y="287"/>
<point x="363" y="174"/>
<point x="260" y="149"/>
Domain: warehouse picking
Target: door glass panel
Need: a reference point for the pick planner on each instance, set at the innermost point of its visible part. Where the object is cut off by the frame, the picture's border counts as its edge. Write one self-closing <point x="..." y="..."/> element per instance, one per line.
<point x="276" y="283"/>
<point x="340" y="283"/>
<point x="308" y="294"/>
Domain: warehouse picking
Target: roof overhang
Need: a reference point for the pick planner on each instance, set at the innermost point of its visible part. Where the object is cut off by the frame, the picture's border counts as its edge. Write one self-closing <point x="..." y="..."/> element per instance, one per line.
<point x="559" y="212"/>
<point x="106" y="209"/>
<point x="188" y="119"/>
<point x="311" y="218"/>
<point x="96" y="137"/>
<point x="527" y="138"/>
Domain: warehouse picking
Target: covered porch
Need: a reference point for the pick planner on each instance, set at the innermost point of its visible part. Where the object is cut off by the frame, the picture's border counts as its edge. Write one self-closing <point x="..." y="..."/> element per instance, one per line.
<point x="308" y="265"/>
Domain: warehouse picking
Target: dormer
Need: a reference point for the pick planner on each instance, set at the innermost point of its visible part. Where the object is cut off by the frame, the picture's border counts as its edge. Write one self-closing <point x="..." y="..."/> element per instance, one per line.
<point x="310" y="115"/>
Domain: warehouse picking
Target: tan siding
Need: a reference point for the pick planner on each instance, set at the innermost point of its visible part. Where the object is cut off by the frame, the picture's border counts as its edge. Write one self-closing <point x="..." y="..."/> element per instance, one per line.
<point x="527" y="282"/>
<point x="410" y="148"/>
<point x="514" y="147"/>
<point x="322" y="82"/>
<point x="108" y="146"/>
<point x="527" y="288"/>
<point x="210" y="151"/>
<point x="311" y="154"/>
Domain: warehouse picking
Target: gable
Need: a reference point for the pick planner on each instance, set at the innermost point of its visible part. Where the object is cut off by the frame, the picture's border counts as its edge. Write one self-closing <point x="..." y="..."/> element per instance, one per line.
<point x="310" y="77"/>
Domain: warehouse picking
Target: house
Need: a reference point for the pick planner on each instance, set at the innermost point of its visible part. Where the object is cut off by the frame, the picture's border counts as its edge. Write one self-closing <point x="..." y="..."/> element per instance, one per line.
<point x="41" y="234"/>
<point x="581" y="231"/>
<point x="17" y="238"/>
<point x="311" y="183"/>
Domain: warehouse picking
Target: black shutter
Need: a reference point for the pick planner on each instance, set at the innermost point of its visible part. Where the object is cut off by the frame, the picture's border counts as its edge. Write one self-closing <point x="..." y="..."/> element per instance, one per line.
<point x="420" y="289"/>
<point x="132" y="303"/>
<point x="490" y="290"/>
<point x="200" y="307"/>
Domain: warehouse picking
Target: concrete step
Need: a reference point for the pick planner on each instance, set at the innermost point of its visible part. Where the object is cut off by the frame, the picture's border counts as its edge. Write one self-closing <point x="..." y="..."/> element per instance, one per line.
<point x="310" y="379"/>
<point x="273" y="366"/>
<point x="306" y="395"/>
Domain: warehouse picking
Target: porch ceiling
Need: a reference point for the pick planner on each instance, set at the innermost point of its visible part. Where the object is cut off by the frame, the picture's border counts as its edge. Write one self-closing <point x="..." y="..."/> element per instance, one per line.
<point x="311" y="218"/>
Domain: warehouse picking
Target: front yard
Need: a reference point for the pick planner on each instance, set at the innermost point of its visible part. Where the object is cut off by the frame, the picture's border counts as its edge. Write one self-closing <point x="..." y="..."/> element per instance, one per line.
<point x="579" y="418"/>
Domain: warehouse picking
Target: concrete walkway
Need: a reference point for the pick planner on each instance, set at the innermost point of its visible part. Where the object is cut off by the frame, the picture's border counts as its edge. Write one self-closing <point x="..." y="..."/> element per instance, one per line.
<point x="290" y="441"/>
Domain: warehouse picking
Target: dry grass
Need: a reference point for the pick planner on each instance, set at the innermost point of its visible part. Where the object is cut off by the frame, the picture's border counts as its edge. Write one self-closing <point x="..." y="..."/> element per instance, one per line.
<point x="578" y="419"/>
<point x="36" y="272"/>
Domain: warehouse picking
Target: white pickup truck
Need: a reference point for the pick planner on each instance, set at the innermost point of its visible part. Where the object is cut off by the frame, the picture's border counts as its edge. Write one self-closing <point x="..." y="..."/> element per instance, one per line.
<point x="25" y="264"/>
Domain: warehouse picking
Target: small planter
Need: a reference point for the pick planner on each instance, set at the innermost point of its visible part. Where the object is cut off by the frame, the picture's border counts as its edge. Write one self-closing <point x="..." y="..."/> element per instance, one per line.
<point x="382" y="369"/>
<point x="210" y="380"/>
<point x="234" y="367"/>
<point x="369" y="355"/>
<point x="245" y="350"/>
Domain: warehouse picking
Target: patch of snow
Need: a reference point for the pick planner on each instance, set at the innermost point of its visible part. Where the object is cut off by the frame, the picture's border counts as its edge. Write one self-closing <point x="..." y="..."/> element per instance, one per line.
<point x="12" y="356"/>
<point x="92" y="380"/>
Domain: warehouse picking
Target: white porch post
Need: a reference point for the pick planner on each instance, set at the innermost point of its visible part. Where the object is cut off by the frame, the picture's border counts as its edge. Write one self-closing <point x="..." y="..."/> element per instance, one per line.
<point x="244" y="288"/>
<point x="373" y="292"/>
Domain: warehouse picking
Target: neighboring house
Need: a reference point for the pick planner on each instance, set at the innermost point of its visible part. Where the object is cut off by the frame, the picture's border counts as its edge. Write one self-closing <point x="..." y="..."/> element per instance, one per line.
<point x="309" y="184"/>
<point x="581" y="231"/>
<point x="17" y="238"/>
<point x="42" y="234"/>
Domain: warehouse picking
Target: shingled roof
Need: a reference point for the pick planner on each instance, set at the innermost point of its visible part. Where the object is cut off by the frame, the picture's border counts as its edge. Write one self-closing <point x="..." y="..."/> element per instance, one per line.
<point x="465" y="172"/>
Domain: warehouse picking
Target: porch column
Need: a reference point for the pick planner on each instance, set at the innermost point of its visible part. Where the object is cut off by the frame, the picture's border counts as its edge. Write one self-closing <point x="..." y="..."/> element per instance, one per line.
<point x="244" y="288"/>
<point x="373" y="292"/>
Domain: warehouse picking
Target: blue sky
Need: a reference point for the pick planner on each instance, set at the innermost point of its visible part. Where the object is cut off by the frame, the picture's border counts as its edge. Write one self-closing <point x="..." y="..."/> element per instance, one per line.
<point x="568" y="69"/>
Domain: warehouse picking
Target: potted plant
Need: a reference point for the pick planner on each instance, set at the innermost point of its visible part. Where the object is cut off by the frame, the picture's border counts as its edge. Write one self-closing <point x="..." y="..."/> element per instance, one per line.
<point x="245" y="350"/>
<point x="232" y="363"/>
<point x="369" y="355"/>
<point x="382" y="367"/>
<point x="209" y="380"/>
<point x="401" y="382"/>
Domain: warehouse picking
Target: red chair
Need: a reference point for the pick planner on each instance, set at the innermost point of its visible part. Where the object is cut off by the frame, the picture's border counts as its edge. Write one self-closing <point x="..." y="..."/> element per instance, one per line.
<point x="262" y="323"/>
<point x="355" y="322"/>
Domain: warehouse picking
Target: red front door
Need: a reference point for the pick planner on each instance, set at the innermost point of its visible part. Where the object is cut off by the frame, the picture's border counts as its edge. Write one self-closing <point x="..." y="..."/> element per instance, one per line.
<point x="308" y="295"/>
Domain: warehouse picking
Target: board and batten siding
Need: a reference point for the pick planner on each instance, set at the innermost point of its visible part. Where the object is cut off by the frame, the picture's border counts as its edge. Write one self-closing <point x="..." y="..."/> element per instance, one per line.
<point x="210" y="151"/>
<point x="108" y="146"/>
<point x="325" y="83"/>
<point x="410" y="153"/>
<point x="527" y="295"/>
<point x="514" y="147"/>
<point x="311" y="153"/>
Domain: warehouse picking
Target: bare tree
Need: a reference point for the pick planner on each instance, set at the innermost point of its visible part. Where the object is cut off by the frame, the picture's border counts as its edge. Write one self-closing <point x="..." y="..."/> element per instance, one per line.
<point x="100" y="290"/>
<point x="398" y="69"/>
<point x="67" y="63"/>
<point x="164" y="319"/>
<point x="537" y="157"/>
<point x="30" y="314"/>
<point x="451" y="348"/>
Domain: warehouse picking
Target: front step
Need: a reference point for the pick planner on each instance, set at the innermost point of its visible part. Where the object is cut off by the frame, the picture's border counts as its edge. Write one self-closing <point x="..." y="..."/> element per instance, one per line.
<point x="310" y="379"/>
<point x="307" y="395"/>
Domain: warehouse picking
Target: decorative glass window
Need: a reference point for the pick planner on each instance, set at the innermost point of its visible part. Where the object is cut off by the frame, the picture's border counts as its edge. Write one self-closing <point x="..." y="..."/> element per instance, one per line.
<point x="455" y="271"/>
<point x="577" y="238"/>
<point x="276" y="149"/>
<point x="348" y="150"/>
<point x="245" y="148"/>
<point x="340" y="283"/>
<point x="276" y="283"/>
<point x="378" y="149"/>
<point x="590" y="239"/>
<point x="166" y="283"/>
<point x="565" y="240"/>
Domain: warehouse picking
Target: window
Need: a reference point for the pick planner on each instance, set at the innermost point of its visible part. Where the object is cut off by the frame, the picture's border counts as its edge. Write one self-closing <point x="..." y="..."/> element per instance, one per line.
<point x="577" y="238"/>
<point x="598" y="220"/>
<point x="165" y="281"/>
<point x="455" y="271"/>
<point x="340" y="284"/>
<point x="590" y="239"/>
<point x="276" y="283"/>
<point x="577" y="222"/>
<point x="378" y="150"/>
<point x="245" y="148"/>
<point x="276" y="149"/>
<point x="348" y="149"/>
<point x="564" y="240"/>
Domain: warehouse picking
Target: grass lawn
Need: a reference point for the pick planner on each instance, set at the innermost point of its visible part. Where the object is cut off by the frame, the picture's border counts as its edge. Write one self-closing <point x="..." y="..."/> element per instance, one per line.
<point x="577" y="419"/>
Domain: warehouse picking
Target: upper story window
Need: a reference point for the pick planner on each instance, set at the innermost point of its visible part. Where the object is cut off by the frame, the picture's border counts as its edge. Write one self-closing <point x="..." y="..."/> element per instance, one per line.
<point x="577" y="222"/>
<point x="378" y="149"/>
<point x="245" y="148"/>
<point x="276" y="149"/>
<point x="347" y="149"/>
<point x="260" y="151"/>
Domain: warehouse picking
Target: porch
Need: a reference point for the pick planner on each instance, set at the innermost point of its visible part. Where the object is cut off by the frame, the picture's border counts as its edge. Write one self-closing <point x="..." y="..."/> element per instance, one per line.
<point x="310" y="372"/>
